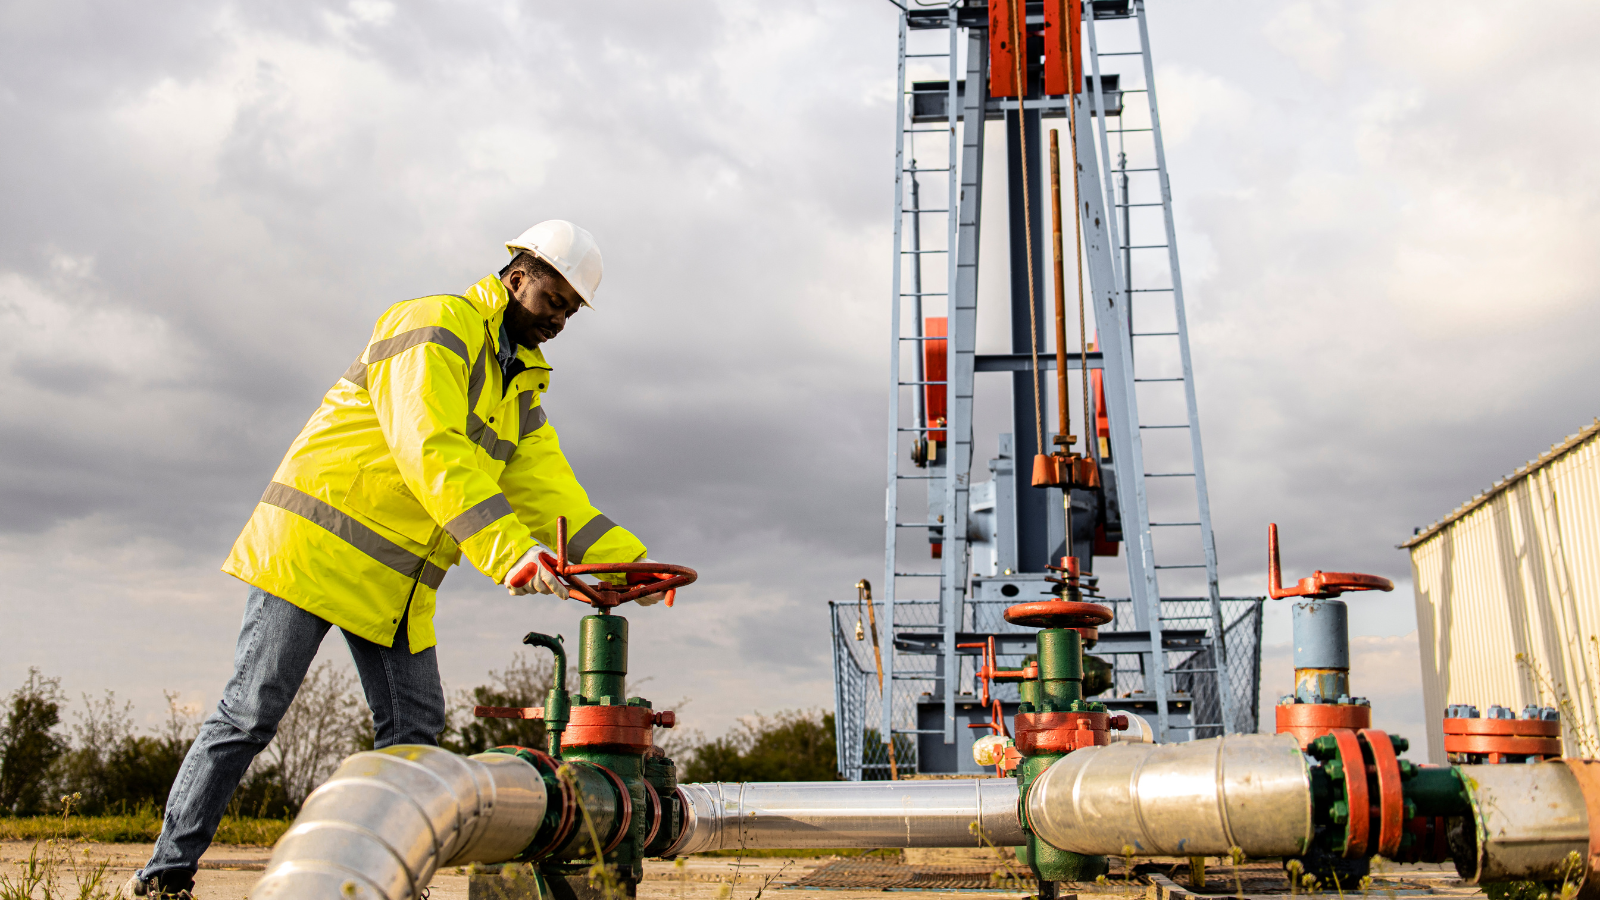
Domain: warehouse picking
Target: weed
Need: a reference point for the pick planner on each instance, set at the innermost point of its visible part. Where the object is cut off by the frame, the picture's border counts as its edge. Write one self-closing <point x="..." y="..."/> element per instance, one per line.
<point x="51" y="862"/>
<point x="1235" y="859"/>
<point x="1293" y="870"/>
<point x="770" y="879"/>
<point x="1571" y="714"/>
<point x="1009" y="876"/>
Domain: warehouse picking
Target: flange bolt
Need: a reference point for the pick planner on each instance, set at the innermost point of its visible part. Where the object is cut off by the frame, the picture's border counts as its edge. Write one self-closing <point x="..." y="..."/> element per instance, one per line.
<point x="665" y="719"/>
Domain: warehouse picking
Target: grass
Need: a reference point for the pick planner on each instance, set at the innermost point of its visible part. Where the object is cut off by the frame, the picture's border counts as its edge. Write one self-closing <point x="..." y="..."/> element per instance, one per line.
<point x="135" y="828"/>
<point x="801" y="853"/>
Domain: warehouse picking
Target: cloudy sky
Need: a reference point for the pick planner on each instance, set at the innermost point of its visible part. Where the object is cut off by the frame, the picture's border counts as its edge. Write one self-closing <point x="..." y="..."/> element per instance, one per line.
<point x="1385" y="213"/>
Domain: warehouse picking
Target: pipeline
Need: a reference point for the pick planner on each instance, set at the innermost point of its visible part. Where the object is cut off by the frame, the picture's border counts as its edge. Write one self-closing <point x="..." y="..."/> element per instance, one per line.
<point x="1256" y="793"/>
<point x="1195" y="799"/>
<point x="860" y="814"/>
<point x="388" y="819"/>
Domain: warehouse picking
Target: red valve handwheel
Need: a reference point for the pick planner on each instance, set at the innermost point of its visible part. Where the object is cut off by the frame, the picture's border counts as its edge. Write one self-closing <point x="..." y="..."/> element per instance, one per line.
<point x="1058" y="614"/>
<point x="644" y="578"/>
<point x="1321" y="585"/>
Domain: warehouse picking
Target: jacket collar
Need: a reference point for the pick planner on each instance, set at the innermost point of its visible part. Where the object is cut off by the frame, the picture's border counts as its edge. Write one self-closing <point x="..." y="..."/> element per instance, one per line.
<point x="490" y="298"/>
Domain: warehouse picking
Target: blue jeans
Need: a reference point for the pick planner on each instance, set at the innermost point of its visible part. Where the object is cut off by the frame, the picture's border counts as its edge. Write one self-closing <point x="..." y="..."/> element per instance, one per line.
<point x="277" y="643"/>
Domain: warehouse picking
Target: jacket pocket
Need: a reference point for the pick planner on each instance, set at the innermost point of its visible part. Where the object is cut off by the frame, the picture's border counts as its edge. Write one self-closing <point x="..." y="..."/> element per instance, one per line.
<point x="382" y="496"/>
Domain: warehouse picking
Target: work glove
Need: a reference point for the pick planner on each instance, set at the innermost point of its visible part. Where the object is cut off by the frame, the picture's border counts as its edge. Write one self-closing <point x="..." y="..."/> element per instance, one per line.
<point x="530" y="575"/>
<point x="652" y="599"/>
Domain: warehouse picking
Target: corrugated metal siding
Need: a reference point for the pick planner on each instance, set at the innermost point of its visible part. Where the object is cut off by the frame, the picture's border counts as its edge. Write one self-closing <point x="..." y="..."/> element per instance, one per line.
<point x="1519" y="575"/>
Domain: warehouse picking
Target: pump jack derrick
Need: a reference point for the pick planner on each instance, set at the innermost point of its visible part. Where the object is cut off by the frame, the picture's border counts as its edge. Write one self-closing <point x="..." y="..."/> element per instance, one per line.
<point x="1188" y="663"/>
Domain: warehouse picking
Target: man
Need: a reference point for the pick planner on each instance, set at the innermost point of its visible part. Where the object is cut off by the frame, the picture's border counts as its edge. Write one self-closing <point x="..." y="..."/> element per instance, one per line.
<point x="433" y="445"/>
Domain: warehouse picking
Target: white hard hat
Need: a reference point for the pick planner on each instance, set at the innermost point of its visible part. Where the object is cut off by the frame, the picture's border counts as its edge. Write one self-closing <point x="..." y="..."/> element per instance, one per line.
<point x="570" y="249"/>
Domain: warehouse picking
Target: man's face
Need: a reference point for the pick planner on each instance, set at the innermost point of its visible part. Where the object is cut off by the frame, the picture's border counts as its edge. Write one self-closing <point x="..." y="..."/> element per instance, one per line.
<point x="539" y="308"/>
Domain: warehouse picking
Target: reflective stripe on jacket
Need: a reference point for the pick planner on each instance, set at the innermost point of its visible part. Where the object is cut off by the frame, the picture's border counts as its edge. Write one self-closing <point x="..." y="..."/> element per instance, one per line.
<point x="419" y="454"/>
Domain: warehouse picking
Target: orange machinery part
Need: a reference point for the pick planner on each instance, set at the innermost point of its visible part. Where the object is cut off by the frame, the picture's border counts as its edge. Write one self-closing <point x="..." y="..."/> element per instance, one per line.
<point x="1354" y="763"/>
<point x="1503" y="737"/>
<point x="1587" y="771"/>
<point x="1309" y="721"/>
<point x="1063" y="24"/>
<point x="1062" y="30"/>
<point x="935" y="367"/>
<point x="1060" y="732"/>
<point x="620" y="729"/>
<point x="1391" y="798"/>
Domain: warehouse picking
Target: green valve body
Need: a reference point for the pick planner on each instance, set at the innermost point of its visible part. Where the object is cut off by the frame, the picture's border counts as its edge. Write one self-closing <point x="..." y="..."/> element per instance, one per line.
<point x="1059" y="688"/>
<point x="610" y="730"/>
<point x="603" y="660"/>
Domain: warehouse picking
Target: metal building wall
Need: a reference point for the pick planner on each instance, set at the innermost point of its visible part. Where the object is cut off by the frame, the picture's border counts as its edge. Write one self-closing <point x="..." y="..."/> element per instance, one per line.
<point x="1508" y="596"/>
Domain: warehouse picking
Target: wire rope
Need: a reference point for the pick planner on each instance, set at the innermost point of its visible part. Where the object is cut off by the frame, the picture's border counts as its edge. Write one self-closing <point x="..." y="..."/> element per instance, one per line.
<point x="1018" y="52"/>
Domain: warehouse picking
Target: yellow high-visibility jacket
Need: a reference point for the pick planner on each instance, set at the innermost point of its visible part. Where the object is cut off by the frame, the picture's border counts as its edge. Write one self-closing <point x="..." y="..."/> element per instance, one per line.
<point x="419" y="454"/>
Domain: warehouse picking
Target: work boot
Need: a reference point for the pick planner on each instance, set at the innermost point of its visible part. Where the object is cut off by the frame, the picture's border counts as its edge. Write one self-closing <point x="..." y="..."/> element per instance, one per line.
<point x="165" y="886"/>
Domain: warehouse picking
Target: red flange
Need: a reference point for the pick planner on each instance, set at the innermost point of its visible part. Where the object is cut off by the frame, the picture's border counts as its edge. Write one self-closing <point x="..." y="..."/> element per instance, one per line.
<point x="1309" y="721"/>
<point x="624" y="809"/>
<point x="1354" y="764"/>
<point x="1391" y="797"/>
<point x="568" y="822"/>
<point x="1499" y="738"/>
<point x="1060" y="732"/>
<point x="617" y="729"/>
<point x="1587" y="771"/>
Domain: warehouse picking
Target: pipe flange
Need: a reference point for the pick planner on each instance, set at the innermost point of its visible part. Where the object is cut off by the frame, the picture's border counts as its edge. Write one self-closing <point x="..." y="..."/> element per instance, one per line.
<point x="1391" y="797"/>
<point x="625" y="807"/>
<point x="568" y="823"/>
<point x="653" y="813"/>
<point x="684" y="825"/>
<point x="1587" y="771"/>
<point x="1354" y="765"/>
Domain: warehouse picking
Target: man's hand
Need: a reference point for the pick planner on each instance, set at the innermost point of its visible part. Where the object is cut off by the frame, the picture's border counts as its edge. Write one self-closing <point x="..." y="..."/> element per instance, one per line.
<point x="529" y="575"/>
<point x="650" y="599"/>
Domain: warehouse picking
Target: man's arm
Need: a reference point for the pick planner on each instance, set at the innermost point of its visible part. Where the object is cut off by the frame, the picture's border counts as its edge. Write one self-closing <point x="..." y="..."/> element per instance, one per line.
<point x="541" y="486"/>
<point x="420" y="371"/>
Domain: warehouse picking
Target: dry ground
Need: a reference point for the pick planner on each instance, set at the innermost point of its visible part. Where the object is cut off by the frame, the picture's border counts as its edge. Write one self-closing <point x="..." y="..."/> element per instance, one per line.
<point x="228" y="872"/>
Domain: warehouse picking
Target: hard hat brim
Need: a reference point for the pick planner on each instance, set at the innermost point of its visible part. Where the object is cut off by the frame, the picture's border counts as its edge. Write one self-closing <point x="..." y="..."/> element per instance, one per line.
<point x="514" y="249"/>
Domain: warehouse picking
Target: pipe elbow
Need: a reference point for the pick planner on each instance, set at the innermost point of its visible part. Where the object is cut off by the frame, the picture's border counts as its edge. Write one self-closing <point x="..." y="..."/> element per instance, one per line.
<point x="388" y="819"/>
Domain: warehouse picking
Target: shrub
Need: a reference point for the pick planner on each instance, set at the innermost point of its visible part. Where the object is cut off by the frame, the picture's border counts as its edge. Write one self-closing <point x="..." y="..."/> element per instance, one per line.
<point x="791" y="746"/>
<point x="29" y="746"/>
<point x="524" y="683"/>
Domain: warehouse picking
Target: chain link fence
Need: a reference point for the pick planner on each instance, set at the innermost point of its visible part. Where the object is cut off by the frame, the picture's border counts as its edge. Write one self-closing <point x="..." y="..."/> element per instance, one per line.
<point x="858" y="701"/>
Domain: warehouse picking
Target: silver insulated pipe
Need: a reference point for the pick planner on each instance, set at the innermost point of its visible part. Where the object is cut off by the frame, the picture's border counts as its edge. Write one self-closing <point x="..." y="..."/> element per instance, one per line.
<point x="388" y="819"/>
<point x="863" y="814"/>
<point x="1199" y="798"/>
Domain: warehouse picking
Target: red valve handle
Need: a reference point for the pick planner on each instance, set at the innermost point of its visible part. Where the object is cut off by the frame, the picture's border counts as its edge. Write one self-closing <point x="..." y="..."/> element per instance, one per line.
<point x="644" y="578"/>
<point x="1057" y="614"/>
<point x="1321" y="585"/>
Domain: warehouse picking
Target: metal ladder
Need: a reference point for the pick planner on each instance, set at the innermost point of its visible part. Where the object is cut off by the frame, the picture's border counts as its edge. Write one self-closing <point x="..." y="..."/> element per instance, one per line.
<point x="946" y="476"/>
<point x="1150" y="353"/>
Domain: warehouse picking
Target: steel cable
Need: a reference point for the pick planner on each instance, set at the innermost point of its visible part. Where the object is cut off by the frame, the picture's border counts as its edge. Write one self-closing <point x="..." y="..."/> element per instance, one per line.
<point x="1018" y="48"/>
